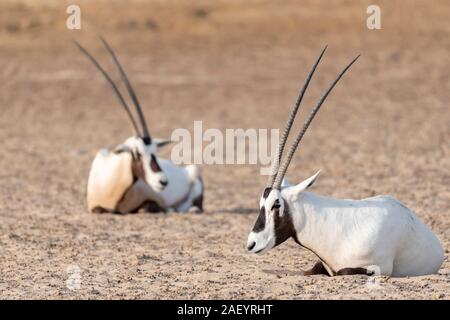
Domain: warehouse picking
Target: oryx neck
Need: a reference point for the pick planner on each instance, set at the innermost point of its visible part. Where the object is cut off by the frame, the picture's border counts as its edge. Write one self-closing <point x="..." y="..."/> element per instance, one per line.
<point x="314" y="224"/>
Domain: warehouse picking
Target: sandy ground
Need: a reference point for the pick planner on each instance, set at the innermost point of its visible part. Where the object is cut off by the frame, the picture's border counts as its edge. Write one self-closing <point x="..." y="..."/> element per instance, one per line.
<point x="385" y="130"/>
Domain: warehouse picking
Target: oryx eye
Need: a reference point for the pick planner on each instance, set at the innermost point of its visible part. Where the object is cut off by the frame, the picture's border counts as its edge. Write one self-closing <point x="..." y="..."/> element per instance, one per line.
<point x="276" y="204"/>
<point x="154" y="164"/>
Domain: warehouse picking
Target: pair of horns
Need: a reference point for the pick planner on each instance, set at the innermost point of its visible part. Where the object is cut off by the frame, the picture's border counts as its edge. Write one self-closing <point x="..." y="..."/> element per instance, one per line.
<point x="145" y="133"/>
<point x="276" y="179"/>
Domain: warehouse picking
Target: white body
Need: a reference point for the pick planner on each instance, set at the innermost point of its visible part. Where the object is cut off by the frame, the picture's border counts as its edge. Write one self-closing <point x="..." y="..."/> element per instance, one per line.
<point x="377" y="233"/>
<point x="111" y="184"/>
<point x="184" y="185"/>
<point x="130" y="177"/>
<point x="109" y="179"/>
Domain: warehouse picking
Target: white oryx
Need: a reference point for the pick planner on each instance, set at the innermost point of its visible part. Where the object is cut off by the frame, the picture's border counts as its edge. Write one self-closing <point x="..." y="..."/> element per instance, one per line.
<point x="131" y="177"/>
<point x="374" y="235"/>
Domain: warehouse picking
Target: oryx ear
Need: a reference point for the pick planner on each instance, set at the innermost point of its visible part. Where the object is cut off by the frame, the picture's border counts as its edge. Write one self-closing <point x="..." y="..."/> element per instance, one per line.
<point x="161" y="142"/>
<point x="305" y="184"/>
<point x="285" y="183"/>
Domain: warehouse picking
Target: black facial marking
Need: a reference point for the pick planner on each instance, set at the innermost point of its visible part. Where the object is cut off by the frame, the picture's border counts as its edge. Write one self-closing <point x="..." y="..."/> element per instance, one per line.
<point x="260" y="223"/>
<point x="136" y="155"/>
<point x="266" y="192"/>
<point x="147" y="140"/>
<point x="276" y="205"/>
<point x="137" y="169"/>
<point x="154" y="164"/>
<point x="284" y="228"/>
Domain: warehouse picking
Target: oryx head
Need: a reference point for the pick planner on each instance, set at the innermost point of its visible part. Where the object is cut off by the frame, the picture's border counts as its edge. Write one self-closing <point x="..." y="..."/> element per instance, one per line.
<point x="141" y="145"/>
<point x="274" y="223"/>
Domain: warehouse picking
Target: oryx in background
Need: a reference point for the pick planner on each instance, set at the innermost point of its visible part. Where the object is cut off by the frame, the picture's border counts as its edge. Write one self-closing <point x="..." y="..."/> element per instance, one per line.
<point x="374" y="235"/>
<point x="131" y="177"/>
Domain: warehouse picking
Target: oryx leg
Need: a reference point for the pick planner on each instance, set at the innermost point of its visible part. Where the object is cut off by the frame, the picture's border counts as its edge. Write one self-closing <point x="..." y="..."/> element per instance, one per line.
<point x="102" y="210"/>
<point x="150" y="206"/>
<point x="194" y="201"/>
<point x="198" y="202"/>
<point x="318" y="268"/>
<point x="351" y="271"/>
<point x="137" y="199"/>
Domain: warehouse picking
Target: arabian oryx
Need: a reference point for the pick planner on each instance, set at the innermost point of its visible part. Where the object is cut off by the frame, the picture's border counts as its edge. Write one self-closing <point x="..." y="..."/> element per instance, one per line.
<point x="377" y="235"/>
<point x="131" y="177"/>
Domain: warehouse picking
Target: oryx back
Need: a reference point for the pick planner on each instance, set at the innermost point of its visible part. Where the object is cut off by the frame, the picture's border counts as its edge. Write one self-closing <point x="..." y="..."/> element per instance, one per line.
<point x="109" y="179"/>
<point x="185" y="189"/>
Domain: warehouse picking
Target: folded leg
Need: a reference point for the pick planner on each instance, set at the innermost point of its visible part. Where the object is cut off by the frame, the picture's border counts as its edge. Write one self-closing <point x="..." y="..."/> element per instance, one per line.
<point x="317" y="269"/>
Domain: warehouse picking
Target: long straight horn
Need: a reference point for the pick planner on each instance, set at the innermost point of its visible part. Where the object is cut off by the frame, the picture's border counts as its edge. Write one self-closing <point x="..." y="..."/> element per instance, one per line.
<point x="290" y="121"/>
<point x="113" y="85"/>
<point x="299" y="137"/>
<point x="130" y="89"/>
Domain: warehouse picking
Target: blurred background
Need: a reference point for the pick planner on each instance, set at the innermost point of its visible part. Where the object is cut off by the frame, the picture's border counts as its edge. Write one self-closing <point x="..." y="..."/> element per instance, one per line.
<point x="232" y="64"/>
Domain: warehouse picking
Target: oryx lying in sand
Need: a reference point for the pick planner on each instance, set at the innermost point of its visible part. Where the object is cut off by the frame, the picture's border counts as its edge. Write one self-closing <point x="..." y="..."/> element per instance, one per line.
<point x="131" y="177"/>
<point x="374" y="235"/>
